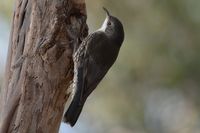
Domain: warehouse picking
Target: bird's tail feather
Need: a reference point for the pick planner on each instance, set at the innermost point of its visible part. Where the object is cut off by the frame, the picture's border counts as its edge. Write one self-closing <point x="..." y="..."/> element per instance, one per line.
<point x="73" y="112"/>
<point x="75" y="108"/>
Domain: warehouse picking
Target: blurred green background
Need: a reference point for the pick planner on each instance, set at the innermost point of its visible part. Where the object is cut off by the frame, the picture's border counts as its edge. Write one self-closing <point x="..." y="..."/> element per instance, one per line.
<point x="154" y="86"/>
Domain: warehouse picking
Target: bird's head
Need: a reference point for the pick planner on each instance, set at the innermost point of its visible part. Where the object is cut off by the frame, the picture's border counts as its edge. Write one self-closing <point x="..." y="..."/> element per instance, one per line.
<point x="113" y="28"/>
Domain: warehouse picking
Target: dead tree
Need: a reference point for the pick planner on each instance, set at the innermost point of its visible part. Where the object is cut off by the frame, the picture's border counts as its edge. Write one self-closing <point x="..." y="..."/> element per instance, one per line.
<point x="39" y="64"/>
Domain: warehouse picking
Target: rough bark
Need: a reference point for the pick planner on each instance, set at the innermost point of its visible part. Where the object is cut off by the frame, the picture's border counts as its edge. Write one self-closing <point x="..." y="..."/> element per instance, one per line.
<point x="39" y="64"/>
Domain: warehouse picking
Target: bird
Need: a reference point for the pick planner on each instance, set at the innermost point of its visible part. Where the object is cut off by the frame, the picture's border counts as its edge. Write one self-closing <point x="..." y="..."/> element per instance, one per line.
<point x="92" y="60"/>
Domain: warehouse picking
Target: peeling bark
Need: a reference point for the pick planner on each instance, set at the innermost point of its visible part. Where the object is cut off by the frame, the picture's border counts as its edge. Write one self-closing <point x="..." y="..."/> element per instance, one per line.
<point x="39" y="64"/>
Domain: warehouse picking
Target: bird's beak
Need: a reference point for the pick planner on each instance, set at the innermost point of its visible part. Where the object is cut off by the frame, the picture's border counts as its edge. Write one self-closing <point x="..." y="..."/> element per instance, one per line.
<point x="107" y="12"/>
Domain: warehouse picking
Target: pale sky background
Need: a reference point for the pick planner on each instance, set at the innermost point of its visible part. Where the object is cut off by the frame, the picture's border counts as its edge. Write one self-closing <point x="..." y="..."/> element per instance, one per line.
<point x="4" y="36"/>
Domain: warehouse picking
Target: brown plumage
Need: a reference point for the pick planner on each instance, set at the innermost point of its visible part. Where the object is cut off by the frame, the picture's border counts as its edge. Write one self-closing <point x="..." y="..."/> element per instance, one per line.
<point x="92" y="60"/>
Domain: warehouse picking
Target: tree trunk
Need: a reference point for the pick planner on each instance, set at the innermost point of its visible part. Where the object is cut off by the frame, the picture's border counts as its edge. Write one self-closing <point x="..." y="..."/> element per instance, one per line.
<point x="39" y="64"/>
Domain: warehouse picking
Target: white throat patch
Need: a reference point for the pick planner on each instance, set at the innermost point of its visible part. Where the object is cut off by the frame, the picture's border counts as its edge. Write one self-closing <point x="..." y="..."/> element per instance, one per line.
<point x="104" y="25"/>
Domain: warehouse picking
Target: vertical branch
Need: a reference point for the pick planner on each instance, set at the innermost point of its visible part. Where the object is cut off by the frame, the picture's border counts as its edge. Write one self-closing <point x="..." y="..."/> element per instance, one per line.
<point x="39" y="64"/>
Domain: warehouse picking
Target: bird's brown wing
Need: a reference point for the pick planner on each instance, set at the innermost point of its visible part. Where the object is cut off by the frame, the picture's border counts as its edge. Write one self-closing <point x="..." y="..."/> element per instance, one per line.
<point x="80" y="63"/>
<point x="87" y="75"/>
<point x="94" y="70"/>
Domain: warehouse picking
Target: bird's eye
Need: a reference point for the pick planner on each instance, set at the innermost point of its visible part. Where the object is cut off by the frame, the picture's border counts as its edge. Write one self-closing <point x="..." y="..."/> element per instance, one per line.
<point x="109" y="23"/>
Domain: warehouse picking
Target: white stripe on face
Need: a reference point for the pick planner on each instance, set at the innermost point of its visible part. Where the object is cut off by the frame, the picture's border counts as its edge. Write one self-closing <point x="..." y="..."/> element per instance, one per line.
<point x="104" y="25"/>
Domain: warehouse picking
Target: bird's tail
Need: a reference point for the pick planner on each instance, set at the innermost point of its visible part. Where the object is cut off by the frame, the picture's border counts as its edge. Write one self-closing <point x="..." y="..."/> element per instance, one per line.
<point x="75" y="108"/>
<point x="73" y="112"/>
